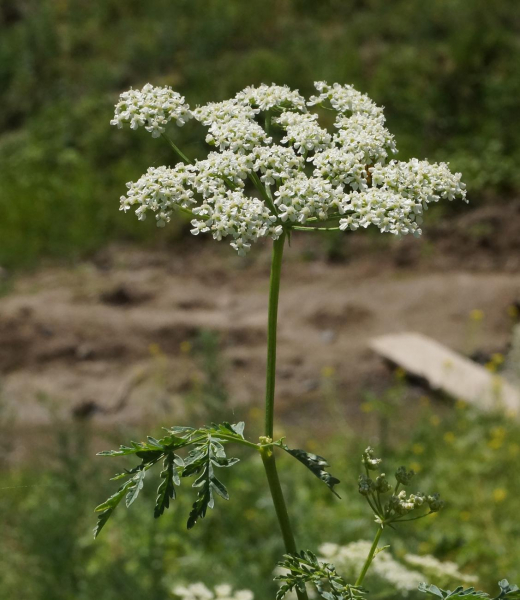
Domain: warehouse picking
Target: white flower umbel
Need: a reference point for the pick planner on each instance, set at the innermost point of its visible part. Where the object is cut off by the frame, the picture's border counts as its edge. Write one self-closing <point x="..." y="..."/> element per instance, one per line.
<point x="303" y="197"/>
<point x="276" y="163"/>
<point x="341" y="168"/>
<point x="151" y="108"/>
<point x="349" y="560"/>
<point x="160" y="190"/>
<point x="364" y="135"/>
<point x="266" y="97"/>
<point x="231" y="125"/>
<point x="345" y="99"/>
<point x="387" y="210"/>
<point x="234" y="214"/>
<point x="303" y="132"/>
<point x="198" y="591"/>
<point x="291" y="174"/>
<point x="442" y="572"/>
<point x="419" y="180"/>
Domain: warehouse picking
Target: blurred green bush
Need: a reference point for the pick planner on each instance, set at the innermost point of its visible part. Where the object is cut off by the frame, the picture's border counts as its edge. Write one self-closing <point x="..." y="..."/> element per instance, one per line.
<point x="446" y="70"/>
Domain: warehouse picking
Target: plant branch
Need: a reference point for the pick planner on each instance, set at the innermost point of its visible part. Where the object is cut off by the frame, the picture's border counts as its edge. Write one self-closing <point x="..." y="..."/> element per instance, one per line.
<point x="177" y="150"/>
<point x="303" y="228"/>
<point x="370" y="557"/>
<point x="258" y="185"/>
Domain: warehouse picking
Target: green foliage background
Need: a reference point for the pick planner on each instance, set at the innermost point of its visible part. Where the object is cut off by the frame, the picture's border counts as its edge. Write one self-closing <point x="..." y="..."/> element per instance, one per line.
<point x="446" y="70"/>
<point x="48" y="552"/>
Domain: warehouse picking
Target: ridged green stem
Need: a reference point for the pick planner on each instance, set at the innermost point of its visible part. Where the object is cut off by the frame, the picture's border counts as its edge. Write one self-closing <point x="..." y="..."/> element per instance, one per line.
<point x="370" y="557"/>
<point x="272" y="325"/>
<point x="267" y="454"/>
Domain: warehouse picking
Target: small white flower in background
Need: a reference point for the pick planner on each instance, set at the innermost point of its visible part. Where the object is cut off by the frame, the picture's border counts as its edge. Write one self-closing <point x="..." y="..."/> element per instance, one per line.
<point x="198" y="591"/>
<point x="151" y="108"/>
<point x="223" y="591"/>
<point x="311" y="173"/>
<point x="349" y="561"/>
<point x="439" y="571"/>
<point x="194" y="591"/>
<point x="244" y="595"/>
<point x="389" y="572"/>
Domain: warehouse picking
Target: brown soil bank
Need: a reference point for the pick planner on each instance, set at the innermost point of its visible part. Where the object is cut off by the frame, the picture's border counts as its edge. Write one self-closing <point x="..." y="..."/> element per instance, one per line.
<point x="112" y="338"/>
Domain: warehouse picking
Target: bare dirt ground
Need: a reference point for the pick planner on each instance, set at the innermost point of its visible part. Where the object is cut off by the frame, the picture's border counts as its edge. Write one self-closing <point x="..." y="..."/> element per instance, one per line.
<point x="112" y="337"/>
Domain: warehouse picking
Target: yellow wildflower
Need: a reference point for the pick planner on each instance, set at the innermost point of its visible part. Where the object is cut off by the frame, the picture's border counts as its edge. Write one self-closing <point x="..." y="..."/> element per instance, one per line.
<point x="476" y="314"/>
<point x="499" y="495"/>
<point x="512" y="311"/>
<point x="154" y="349"/>
<point x="185" y="347"/>
<point x="328" y="372"/>
<point x="400" y="373"/>
<point x="449" y="437"/>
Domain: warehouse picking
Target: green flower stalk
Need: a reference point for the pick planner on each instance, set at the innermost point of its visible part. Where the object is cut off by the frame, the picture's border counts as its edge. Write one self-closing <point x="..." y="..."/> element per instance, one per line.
<point x="397" y="508"/>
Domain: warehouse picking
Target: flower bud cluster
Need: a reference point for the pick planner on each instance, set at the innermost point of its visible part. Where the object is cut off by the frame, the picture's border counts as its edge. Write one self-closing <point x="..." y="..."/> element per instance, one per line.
<point x="399" y="504"/>
<point x="310" y="174"/>
<point x="403" y="476"/>
<point x="151" y="108"/>
<point x="368" y="460"/>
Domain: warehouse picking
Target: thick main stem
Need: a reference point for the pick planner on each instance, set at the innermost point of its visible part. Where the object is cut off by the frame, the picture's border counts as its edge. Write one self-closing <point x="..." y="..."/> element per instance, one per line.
<point x="272" y="324"/>
<point x="267" y="453"/>
<point x="370" y="557"/>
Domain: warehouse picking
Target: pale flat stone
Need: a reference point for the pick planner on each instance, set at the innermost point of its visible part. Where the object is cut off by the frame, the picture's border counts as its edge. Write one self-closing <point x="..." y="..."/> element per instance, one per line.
<point x="448" y="371"/>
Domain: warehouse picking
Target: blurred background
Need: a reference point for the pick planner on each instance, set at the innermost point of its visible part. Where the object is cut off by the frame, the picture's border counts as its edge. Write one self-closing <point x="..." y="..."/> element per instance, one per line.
<point x="111" y="328"/>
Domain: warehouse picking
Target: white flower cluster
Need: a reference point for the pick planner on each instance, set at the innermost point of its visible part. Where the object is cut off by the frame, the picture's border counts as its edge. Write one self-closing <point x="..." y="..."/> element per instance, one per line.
<point x="302" y="197"/>
<point x="260" y="182"/>
<point x="442" y="572"/>
<point x="344" y="99"/>
<point x="266" y="97"/>
<point x="231" y="125"/>
<point x="366" y="137"/>
<point x="151" y="108"/>
<point x="160" y="190"/>
<point x="245" y="218"/>
<point x="386" y="571"/>
<point x="349" y="561"/>
<point x="276" y="163"/>
<point x="198" y="591"/>
<point x="419" y="180"/>
<point x="303" y="132"/>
